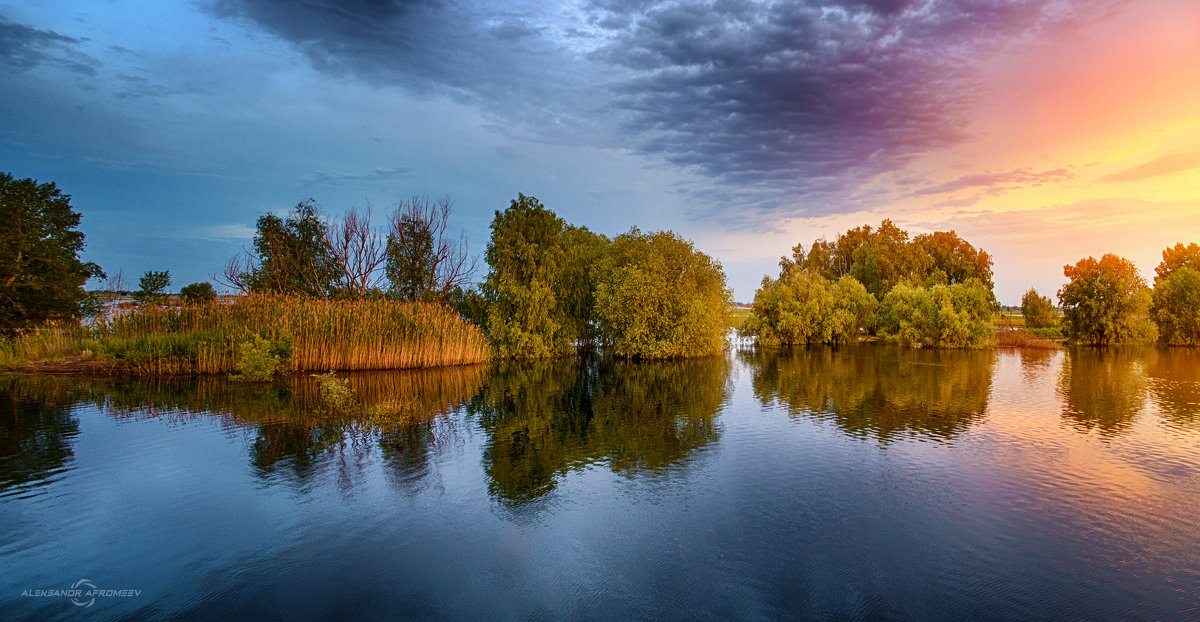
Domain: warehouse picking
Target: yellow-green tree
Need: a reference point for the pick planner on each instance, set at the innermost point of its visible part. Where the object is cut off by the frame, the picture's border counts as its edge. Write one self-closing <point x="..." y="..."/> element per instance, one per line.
<point x="658" y="297"/>
<point x="942" y="316"/>
<point x="1105" y="302"/>
<point x="804" y="307"/>
<point x="1176" y="299"/>
<point x="1038" y="310"/>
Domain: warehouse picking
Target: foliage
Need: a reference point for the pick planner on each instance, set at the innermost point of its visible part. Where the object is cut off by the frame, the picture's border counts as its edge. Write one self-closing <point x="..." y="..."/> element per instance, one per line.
<point x="151" y="288"/>
<point x="1038" y="310"/>
<point x="1105" y="302"/>
<point x="883" y="257"/>
<point x="291" y="256"/>
<point x="942" y="316"/>
<point x="1176" y="307"/>
<point x="1176" y="299"/>
<point x="198" y="293"/>
<point x="260" y="359"/>
<point x="658" y="297"/>
<point x="525" y="317"/>
<point x="583" y="253"/>
<point x="335" y="392"/>
<point x="423" y="262"/>
<point x="41" y="276"/>
<point x="803" y="307"/>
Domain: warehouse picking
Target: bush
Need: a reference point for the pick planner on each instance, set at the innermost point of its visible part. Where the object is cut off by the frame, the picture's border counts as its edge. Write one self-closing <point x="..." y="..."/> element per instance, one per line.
<point x="803" y="307"/>
<point x="198" y="293"/>
<point x="954" y="316"/>
<point x="260" y="359"/>
<point x="658" y="297"/>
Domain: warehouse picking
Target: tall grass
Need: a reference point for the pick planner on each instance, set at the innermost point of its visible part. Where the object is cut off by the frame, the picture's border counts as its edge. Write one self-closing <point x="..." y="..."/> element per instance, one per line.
<point x="321" y="336"/>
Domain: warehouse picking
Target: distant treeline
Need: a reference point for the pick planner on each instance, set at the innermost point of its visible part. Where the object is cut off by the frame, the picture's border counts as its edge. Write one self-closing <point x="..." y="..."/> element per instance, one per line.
<point x="935" y="290"/>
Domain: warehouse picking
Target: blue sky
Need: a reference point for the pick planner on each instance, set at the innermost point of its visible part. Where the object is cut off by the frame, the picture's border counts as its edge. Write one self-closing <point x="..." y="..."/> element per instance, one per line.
<point x="745" y="126"/>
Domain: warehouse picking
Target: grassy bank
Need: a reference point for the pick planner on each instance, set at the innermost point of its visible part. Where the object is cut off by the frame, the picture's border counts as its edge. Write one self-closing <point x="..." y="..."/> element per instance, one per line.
<point x="291" y="334"/>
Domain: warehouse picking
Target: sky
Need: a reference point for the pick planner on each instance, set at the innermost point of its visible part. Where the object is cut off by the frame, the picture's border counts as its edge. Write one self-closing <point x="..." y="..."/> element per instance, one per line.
<point x="1042" y="131"/>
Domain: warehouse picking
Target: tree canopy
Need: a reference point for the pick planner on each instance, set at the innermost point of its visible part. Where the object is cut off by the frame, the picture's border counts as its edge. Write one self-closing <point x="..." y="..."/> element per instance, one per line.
<point x="942" y="316"/>
<point x="658" y="297"/>
<point x="881" y="258"/>
<point x="41" y="275"/>
<point x="1105" y="302"/>
<point x="1176" y="299"/>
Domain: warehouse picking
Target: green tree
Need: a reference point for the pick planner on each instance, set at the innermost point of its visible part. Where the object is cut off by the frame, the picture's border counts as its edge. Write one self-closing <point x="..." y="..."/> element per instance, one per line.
<point x="884" y="259"/>
<point x="525" y="317"/>
<point x="152" y="286"/>
<point x="291" y="256"/>
<point x="423" y="261"/>
<point x="198" y="293"/>
<point x="1038" y="310"/>
<point x="41" y="276"/>
<point x="804" y="307"/>
<point x="1176" y="299"/>
<point x="1105" y="302"/>
<point x="658" y="297"/>
<point x="583" y="253"/>
<point x="942" y="316"/>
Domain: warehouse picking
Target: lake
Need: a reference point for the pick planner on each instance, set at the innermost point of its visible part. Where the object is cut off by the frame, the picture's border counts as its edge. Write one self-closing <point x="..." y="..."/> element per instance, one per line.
<point x="863" y="482"/>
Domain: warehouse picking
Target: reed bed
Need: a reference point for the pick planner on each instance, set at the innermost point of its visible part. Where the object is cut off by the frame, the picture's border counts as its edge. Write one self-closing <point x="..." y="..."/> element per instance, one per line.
<point x="311" y="335"/>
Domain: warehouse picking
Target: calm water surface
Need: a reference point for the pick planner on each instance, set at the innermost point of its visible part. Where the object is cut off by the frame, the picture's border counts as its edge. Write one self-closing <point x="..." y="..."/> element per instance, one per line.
<point x="858" y="483"/>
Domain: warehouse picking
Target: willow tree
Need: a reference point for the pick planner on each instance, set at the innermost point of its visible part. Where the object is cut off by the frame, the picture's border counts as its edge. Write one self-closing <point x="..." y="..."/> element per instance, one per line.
<point x="658" y="297"/>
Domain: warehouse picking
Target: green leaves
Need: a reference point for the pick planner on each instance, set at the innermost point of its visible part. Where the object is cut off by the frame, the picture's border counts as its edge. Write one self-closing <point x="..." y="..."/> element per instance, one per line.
<point x="41" y="276"/>
<point x="1038" y="311"/>
<point x="942" y="316"/>
<point x="151" y="288"/>
<point x="1106" y="302"/>
<point x="803" y="307"/>
<point x="658" y="297"/>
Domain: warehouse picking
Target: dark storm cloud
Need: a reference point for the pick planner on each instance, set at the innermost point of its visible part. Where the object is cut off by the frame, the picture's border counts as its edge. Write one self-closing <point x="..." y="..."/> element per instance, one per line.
<point x="785" y="107"/>
<point x="23" y="47"/>
<point x="804" y="99"/>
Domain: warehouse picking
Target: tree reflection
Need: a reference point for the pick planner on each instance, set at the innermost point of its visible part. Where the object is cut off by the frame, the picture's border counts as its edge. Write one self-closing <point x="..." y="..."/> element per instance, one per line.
<point x="295" y="432"/>
<point x="546" y="417"/>
<point x="1103" y="388"/>
<point x="1174" y="376"/>
<point x="37" y="429"/>
<point x="877" y="391"/>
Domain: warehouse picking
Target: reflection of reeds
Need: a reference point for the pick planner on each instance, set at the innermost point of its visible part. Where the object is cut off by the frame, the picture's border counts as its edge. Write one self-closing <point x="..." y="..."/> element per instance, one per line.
<point x="325" y="335"/>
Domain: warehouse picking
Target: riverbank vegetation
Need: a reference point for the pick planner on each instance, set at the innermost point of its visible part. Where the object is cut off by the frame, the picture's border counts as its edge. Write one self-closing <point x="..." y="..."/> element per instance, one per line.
<point x="553" y="289"/>
<point x="258" y="337"/>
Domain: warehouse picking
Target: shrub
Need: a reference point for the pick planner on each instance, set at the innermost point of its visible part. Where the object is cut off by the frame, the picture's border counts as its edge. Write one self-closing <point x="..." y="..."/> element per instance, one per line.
<point x="198" y="293"/>
<point x="803" y="307"/>
<point x="954" y="316"/>
<point x="260" y="359"/>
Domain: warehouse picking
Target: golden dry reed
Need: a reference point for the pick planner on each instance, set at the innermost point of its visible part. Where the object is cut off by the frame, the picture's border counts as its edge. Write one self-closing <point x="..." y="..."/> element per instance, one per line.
<point x="321" y="336"/>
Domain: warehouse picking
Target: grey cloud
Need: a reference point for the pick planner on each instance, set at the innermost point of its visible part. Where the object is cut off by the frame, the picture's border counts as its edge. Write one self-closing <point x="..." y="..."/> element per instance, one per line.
<point x="781" y="108"/>
<point x="379" y="174"/>
<point x="24" y="47"/>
